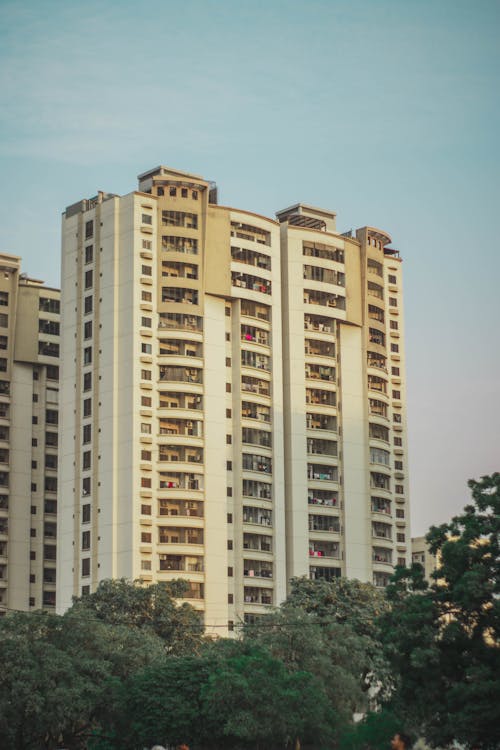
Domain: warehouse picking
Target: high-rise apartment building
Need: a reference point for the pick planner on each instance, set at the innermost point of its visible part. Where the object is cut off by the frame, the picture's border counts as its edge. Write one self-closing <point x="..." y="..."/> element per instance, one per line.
<point x="29" y="389"/>
<point x="233" y="407"/>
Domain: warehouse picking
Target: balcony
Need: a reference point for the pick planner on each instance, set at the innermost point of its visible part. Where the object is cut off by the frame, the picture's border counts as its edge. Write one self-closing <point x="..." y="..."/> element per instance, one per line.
<point x="253" y="595"/>
<point x="323" y="497"/>
<point x="322" y="473"/>
<point x="183" y="427"/>
<point x="180" y="481"/>
<point x="254" y="283"/>
<point x="257" y="543"/>
<point x="321" y="422"/>
<point x="324" y="549"/>
<point x="258" y="516"/>
<point x="257" y="569"/>
<point x="180" y="374"/>
<point x="179" y="535"/>
<point x="252" y="462"/>
<point x="181" y="508"/>
<point x="181" y="563"/>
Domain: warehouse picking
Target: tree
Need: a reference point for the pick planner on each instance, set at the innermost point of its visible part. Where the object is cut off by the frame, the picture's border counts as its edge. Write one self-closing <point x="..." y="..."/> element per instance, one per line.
<point x="150" y="608"/>
<point x="57" y="674"/>
<point x="347" y="610"/>
<point x="443" y="640"/>
<point x="337" y="655"/>
<point x="260" y="703"/>
<point x="162" y="704"/>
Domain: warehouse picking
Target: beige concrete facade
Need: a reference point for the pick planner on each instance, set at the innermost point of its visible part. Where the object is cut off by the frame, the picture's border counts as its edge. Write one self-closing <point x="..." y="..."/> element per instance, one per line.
<point x="420" y="554"/>
<point x="233" y="423"/>
<point x="29" y="409"/>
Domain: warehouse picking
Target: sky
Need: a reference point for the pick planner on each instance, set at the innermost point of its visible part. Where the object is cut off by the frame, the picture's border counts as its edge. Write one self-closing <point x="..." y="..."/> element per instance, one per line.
<point x="387" y="112"/>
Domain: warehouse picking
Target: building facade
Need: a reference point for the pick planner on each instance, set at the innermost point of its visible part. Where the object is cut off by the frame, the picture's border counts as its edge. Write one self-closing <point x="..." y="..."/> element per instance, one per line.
<point x="29" y="414"/>
<point x="233" y="408"/>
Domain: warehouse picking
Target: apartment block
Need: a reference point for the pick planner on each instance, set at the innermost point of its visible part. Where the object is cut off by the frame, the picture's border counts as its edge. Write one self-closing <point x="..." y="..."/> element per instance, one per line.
<point x="233" y="404"/>
<point x="29" y="411"/>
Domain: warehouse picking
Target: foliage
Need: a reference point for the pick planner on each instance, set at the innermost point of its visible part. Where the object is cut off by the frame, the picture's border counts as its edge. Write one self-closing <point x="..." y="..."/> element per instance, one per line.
<point x="443" y="641"/>
<point x="374" y="732"/>
<point x="347" y="611"/>
<point x="56" y="673"/>
<point x="258" y="701"/>
<point x="150" y="608"/>
<point x="162" y="705"/>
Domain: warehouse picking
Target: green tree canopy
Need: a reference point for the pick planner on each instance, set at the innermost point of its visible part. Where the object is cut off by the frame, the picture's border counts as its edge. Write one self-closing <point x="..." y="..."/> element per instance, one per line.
<point x="443" y="640"/>
<point x="150" y="608"/>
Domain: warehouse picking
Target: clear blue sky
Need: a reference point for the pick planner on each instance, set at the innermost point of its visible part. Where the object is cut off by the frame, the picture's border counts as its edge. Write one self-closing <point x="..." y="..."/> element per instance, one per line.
<point x="386" y="111"/>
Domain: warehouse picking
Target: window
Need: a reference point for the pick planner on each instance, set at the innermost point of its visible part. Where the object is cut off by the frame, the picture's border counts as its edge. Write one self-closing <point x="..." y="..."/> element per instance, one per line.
<point x="87" y="305"/>
<point x="179" y="219"/>
<point x="147" y="245"/>
<point x="146" y="348"/>
<point x="87" y="381"/>
<point x="184" y="192"/>
<point x="146" y="482"/>
<point x="145" y="374"/>
<point x="4" y="298"/>
<point x="4" y="320"/>
<point x="87" y="330"/>
<point x="395" y="348"/>
<point x="86" y="460"/>
<point x="392" y="279"/>
<point x="89" y="254"/>
<point x="51" y="416"/>
<point x="34" y="420"/>
<point x="397" y="418"/>
<point x="229" y="439"/>
<point x="89" y="279"/>
<point x="146" y="270"/>
<point x="399" y="489"/>
<point x="228" y="413"/>
<point x="394" y="325"/>
<point x="52" y="372"/>
<point x="145" y="428"/>
<point x="395" y="371"/>
<point x="85" y="539"/>
<point x="194" y="195"/>
<point x="147" y="219"/>
<point x="87" y="407"/>
<point x="146" y="296"/>
<point x="47" y="304"/>
<point x="89" y="229"/>
<point x="35" y="398"/>
<point x="50" y="461"/>
<point x="86" y="513"/>
<point x="86" y="566"/>
<point x="87" y="355"/>
<point x="393" y="302"/>
<point x="146" y="401"/>
<point x="172" y="191"/>
<point x="145" y="455"/>
<point x="87" y="433"/>
<point x="32" y="532"/>
<point x="398" y="441"/>
<point x="146" y="510"/>
<point x="146" y="564"/>
<point x="400" y="537"/>
<point x="4" y="342"/>
<point x="398" y="465"/>
<point x="396" y="394"/>
<point x="146" y="538"/>
<point x="48" y="349"/>
<point x="146" y="322"/>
